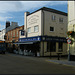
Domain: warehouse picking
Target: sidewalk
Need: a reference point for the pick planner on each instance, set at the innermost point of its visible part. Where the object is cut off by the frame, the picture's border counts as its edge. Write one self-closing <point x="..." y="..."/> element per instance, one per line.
<point x="62" y="61"/>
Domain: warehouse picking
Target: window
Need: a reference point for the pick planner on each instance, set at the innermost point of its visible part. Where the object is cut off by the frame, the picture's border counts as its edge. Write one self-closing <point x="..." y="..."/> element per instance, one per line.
<point x="36" y="28"/>
<point x="14" y="33"/>
<point x="17" y="33"/>
<point x="51" y="46"/>
<point x="51" y="28"/>
<point x="53" y="17"/>
<point x="60" y="47"/>
<point x="60" y="19"/>
<point x="11" y="33"/>
<point x="22" y="32"/>
<point x="29" y="30"/>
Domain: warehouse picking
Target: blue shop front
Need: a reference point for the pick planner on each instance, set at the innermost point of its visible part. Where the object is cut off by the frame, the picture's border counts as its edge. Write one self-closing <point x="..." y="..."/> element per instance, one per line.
<point x="43" y="45"/>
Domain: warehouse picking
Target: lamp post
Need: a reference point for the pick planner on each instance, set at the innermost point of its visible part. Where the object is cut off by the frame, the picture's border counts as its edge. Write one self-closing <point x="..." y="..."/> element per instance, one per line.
<point x="69" y="53"/>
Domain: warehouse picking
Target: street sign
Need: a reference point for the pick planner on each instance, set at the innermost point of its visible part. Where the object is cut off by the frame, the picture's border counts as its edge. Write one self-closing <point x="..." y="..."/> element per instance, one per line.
<point x="68" y="40"/>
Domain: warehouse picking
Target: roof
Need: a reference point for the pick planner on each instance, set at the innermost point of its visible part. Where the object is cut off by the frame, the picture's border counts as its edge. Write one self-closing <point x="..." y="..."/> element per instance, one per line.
<point x="50" y="10"/>
<point x="16" y="28"/>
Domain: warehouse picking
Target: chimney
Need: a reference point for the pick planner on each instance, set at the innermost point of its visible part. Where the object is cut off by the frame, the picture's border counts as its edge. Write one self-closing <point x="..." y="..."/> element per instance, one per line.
<point x="7" y="24"/>
<point x="25" y="22"/>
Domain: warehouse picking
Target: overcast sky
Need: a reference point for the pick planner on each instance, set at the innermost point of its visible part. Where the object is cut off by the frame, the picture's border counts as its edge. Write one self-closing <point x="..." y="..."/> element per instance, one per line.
<point x="14" y="10"/>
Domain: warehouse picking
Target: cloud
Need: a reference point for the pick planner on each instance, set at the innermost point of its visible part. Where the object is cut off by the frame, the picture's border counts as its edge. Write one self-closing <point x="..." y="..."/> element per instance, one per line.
<point x="15" y="6"/>
<point x="8" y="7"/>
<point x="3" y="19"/>
<point x="2" y="27"/>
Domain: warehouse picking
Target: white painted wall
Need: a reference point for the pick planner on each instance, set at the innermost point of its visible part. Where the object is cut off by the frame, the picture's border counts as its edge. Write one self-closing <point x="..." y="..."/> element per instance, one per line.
<point x="34" y="20"/>
<point x="71" y="24"/>
<point x="71" y="15"/>
<point x="2" y="33"/>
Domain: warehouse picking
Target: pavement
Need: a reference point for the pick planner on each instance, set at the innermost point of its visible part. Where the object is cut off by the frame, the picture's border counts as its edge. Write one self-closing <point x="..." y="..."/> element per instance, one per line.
<point x="62" y="61"/>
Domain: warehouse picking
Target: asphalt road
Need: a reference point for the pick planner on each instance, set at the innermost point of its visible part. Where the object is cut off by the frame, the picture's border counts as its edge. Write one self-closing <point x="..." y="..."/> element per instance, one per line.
<point x="17" y="64"/>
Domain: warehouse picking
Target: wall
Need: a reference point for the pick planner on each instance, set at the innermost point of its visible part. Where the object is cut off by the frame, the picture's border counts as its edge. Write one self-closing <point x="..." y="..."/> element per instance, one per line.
<point x="71" y="24"/>
<point x="60" y="29"/>
<point x="33" y="20"/>
<point x="2" y="33"/>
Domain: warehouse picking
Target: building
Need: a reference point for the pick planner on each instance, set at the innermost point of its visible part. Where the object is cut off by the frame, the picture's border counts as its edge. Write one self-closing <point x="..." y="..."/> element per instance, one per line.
<point x="2" y="33"/>
<point x="12" y="35"/>
<point x="45" y="32"/>
<point x="71" y="28"/>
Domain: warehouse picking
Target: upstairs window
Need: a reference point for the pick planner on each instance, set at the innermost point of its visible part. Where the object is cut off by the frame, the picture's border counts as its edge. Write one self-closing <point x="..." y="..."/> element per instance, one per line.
<point x="29" y="30"/>
<point x="60" y="19"/>
<point x="53" y="17"/>
<point x="51" y="29"/>
<point x="36" y="28"/>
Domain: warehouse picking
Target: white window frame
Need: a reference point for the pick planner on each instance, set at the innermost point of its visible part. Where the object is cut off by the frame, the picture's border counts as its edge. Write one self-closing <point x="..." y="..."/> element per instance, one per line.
<point x="53" y="17"/>
<point x="36" y="30"/>
<point x="28" y="30"/>
<point x="61" y="20"/>
<point x="17" y="33"/>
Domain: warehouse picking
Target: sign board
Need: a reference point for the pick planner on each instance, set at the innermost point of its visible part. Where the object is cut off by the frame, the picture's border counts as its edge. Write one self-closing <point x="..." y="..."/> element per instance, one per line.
<point x="68" y="40"/>
<point x="43" y="38"/>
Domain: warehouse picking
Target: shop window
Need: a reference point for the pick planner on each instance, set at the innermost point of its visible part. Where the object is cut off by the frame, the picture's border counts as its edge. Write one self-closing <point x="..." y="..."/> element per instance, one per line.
<point x="51" y="29"/>
<point x="29" y="30"/>
<point x="51" y="46"/>
<point x="60" y="47"/>
<point x="53" y="17"/>
<point x="36" y="28"/>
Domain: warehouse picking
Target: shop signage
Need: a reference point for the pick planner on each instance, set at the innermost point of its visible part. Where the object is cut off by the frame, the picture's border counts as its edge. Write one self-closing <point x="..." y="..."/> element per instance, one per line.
<point x="30" y="39"/>
<point x="57" y="39"/>
<point x="43" y="38"/>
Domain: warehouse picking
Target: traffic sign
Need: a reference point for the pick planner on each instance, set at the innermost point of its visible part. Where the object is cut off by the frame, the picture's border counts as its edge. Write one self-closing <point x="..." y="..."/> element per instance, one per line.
<point x="68" y="40"/>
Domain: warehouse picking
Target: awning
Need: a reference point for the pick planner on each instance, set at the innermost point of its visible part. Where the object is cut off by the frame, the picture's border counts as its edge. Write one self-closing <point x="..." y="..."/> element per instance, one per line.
<point x="24" y="42"/>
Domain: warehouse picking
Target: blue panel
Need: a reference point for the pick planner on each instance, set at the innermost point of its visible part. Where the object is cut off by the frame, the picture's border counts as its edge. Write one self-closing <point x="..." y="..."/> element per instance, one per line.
<point x="38" y="38"/>
<point x="43" y="38"/>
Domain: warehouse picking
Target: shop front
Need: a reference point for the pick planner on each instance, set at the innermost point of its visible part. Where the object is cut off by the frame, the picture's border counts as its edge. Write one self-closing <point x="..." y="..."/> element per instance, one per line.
<point x="43" y="45"/>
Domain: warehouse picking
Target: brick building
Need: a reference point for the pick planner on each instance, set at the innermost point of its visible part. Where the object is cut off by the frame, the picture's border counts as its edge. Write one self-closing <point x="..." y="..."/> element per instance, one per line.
<point x="12" y="36"/>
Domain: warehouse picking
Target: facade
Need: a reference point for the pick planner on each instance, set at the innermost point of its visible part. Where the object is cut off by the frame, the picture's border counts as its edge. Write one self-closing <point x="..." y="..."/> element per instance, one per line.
<point x="2" y="33"/>
<point x="11" y="37"/>
<point x="71" y="27"/>
<point x="45" y="32"/>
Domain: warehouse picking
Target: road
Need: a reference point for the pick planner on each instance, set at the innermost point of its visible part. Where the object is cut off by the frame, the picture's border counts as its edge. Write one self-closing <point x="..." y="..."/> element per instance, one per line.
<point x="17" y="64"/>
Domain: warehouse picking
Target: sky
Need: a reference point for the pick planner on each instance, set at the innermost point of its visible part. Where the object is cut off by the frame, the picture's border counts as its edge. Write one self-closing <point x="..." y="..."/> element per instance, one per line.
<point x="13" y="11"/>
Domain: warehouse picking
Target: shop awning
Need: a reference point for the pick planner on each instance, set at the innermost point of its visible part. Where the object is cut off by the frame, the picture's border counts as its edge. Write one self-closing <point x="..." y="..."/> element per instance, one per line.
<point x="24" y="42"/>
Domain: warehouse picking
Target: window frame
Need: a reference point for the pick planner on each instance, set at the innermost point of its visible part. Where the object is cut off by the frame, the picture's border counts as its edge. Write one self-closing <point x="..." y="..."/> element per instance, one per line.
<point x="53" y="17"/>
<point x="28" y="29"/>
<point x="53" y="29"/>
<point x="38" y="28"/>
<point x="49" y="43"/>
<point x="61" y="20"/>
<point x="60" y="46"/>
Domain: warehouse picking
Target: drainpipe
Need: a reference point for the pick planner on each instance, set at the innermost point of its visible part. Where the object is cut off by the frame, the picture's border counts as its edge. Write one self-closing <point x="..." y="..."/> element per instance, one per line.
<point x="43" y="32"/>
